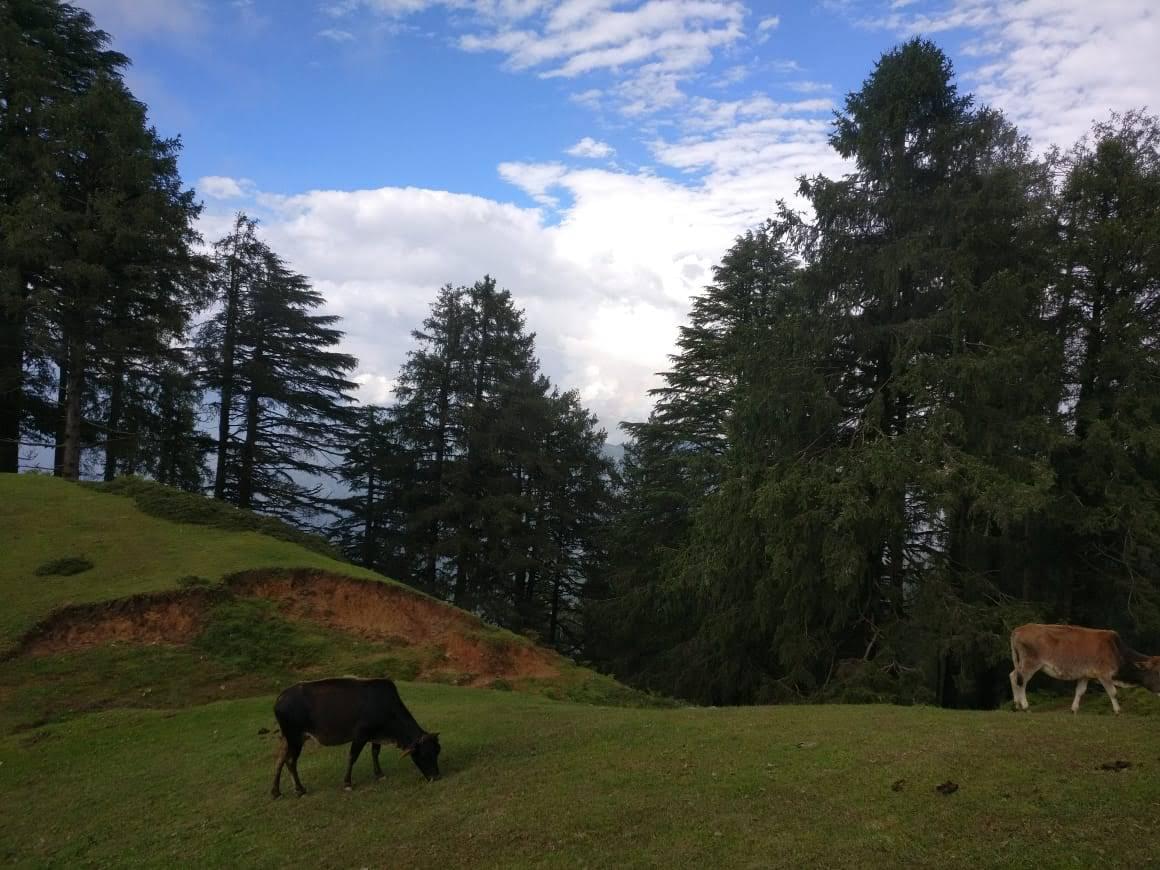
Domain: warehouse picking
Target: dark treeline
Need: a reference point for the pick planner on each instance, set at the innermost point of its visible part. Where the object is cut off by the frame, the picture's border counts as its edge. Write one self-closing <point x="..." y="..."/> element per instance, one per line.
<point x="899" y="426"/>
<point x="896" y="424"/>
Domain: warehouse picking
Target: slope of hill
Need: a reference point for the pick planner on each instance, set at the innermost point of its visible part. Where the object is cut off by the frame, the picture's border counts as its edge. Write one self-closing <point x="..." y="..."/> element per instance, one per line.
<point x="171" y="612"/>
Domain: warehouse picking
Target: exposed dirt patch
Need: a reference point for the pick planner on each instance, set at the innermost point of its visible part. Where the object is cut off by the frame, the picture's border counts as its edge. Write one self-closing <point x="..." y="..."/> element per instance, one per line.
<point x="462" y="648"/>
<point x="382" y="612"/>
<point x="166" y="617"/>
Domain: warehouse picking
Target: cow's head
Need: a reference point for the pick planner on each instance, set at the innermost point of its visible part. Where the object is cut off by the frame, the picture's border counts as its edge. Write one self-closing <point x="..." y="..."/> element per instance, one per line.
<point x="425" y="753"/>
<point x="1149" y="671"/>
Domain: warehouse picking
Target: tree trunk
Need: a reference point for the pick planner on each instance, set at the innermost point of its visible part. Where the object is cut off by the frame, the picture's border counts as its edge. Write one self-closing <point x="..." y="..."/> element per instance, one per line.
<point x="12" y="379"/>
<point x="246" y="472"/>
<point x="554" y="617"/>
<point x="61" y="409"/>
<point x="229" y="341"/>
<point x="369" y="530"/>
<point x="71" y="458"/>
<point x="113" y="423"/>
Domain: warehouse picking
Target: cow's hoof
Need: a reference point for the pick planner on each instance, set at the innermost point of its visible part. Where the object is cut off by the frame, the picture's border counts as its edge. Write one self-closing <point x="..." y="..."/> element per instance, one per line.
<point x="298" y="792"/>
<point x="348" y="788"/>
<point x="275" y="794"/>
<point x="379" y="776"/>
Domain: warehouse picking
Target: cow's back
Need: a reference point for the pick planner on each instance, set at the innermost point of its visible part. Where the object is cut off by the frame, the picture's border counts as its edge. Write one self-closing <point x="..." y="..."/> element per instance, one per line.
<point x="332" y="710"/>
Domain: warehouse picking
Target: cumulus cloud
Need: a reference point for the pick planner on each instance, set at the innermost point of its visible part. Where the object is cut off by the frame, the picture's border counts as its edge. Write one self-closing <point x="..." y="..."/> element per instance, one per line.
<point x="605" y="286"/>
<point x="589" y="147"/>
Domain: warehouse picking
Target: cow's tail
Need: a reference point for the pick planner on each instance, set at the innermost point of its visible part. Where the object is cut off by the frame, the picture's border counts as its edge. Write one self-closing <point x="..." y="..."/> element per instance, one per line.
<point x="1017" y="661"/>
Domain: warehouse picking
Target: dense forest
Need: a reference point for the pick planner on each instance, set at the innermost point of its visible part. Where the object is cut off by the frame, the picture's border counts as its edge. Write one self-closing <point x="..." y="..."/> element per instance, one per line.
<point x="898" y="422"/>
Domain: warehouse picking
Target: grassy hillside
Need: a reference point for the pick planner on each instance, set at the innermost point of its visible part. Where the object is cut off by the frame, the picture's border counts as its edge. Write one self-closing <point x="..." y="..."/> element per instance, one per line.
<point x="531" y="782"/>
<point x="173" y="613"/>
<point x="44" y="519"/>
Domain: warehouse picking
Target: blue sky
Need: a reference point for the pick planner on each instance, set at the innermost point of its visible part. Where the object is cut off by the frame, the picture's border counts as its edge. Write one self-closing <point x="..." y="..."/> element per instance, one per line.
<point x="596" y="156"/>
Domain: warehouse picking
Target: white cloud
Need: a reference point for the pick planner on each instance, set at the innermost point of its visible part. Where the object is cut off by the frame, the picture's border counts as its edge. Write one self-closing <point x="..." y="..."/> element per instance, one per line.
<point x="765" y="28"/>
<point x="223" y="187"/>
<point x="589" y="99"/>
<point x="336" y="35"/>
<point x="589" y="147"/>
<point x="650" y="46"/>
<point x="535" y="179"/>
<point x="1053" y="66"/>
<point x="809" y="87"/>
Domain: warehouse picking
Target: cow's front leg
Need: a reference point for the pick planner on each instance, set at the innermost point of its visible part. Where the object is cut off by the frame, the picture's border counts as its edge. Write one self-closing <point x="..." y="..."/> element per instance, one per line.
<point x="356" y="746"/>
<point x="1110" y="688"/>
<point x="1080" y="688"/>
<point x="375" y="749"/>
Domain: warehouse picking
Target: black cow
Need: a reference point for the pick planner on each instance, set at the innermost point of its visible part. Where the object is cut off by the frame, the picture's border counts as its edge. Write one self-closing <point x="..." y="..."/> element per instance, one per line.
<point x="354" y="711"/>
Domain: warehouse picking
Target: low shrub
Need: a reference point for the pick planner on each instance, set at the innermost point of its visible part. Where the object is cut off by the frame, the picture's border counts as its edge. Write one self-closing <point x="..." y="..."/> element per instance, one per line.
<point x="65" y="567"/>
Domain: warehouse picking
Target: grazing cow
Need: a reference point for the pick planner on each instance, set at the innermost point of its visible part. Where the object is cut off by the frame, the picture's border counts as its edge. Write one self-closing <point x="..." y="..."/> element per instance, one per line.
<point x="354" y="711"/>
<point x="1068" y="652"/>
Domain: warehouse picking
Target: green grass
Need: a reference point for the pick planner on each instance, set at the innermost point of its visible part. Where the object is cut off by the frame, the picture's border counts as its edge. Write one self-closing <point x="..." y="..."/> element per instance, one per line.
<point x="43" y="519"/>
<point x="532" y="782"/>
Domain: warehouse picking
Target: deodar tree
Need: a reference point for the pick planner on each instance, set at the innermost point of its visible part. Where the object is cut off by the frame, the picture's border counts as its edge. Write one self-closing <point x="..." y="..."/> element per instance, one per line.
<point x="284" y="395"/>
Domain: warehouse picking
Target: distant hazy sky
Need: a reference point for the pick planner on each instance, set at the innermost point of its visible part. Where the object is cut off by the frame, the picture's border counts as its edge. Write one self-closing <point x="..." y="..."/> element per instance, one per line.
<point x="596" y="157"/>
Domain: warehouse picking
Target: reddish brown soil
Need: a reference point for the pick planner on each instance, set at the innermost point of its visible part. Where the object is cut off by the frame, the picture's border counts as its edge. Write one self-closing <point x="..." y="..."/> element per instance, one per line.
<point x="462" y="648"/>
<point x="168" y="617"/>
<point x="380" y="611"/>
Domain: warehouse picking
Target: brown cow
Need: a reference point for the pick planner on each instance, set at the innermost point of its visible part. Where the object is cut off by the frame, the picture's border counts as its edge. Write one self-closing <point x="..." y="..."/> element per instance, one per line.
<point x="1068" y="652"/>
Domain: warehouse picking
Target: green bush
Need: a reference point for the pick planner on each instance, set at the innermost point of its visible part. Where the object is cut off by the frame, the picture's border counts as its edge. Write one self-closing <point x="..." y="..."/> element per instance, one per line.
<point x="177" y="506"/>
<point x="65" y="567"/>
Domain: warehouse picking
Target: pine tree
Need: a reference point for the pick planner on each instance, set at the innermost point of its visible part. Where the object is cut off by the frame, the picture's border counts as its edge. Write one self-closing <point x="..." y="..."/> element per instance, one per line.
<point x="123" y="249"/>
<point x="288" y="391"/>
<point x="50" y="55"/>
<point x="237" y="266"/>
<point x="372" y="522"/>
<point x="1098" y="544"/>
<point x="506" y="488"/>
<point x="430" y="414"/>
<point x="887" y="425"/>
<point x="644" y="624"/>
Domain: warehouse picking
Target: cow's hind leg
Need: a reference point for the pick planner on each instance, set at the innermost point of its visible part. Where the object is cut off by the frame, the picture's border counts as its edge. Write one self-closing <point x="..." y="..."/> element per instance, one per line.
<point x="1020" y="677"/>
<point x="283" y="751"/>
<point x="292" y="762"/>
<point x="291" y="749"/>
<point x="1080" y="688"/>
<point x="1110" y="688"/>
<point x="376" y="748"/>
